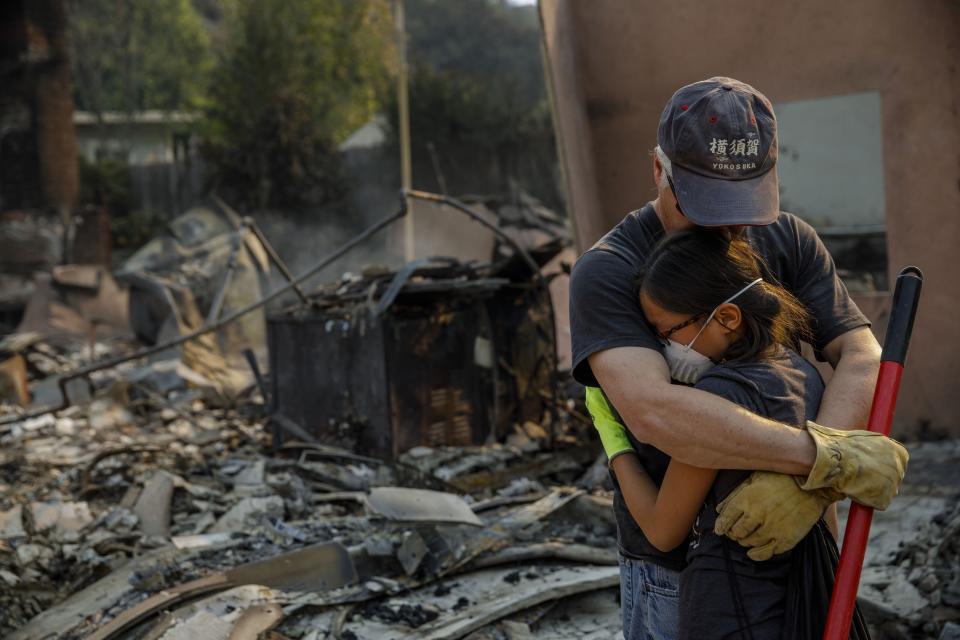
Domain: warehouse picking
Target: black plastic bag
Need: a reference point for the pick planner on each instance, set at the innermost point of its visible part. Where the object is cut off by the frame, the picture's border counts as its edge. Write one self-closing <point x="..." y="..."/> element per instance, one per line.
<point x="812" y="571"/>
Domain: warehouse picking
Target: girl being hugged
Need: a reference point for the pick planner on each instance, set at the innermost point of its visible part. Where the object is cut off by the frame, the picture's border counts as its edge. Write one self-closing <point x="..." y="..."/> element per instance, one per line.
<point x="729" y="331"/>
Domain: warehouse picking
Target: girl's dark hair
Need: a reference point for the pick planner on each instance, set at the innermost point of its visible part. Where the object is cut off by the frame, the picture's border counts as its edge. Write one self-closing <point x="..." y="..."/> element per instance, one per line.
<point x="692" y="272"/>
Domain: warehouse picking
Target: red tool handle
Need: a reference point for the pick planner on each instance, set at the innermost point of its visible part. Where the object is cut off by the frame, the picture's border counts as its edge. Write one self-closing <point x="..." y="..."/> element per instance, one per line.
<point x="904" y="309"/>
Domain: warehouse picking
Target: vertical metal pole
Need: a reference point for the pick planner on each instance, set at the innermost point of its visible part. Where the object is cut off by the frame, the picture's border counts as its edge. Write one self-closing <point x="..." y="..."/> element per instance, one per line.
<point x="403" y="108"/>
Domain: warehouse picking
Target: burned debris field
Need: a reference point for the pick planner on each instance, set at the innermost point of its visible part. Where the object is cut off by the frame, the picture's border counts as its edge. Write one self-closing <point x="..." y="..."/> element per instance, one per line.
<point x="482" y="320"/>
<point x="396" y="453"/>
<point x="382" y="457"/>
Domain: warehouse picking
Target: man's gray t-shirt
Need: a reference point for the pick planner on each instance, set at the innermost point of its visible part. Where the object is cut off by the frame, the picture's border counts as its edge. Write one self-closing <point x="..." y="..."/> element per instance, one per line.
<point x="605" y="313"/>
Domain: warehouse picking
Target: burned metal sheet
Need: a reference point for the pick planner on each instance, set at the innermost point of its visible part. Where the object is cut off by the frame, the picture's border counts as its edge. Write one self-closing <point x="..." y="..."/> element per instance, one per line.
<point x="315" y="568"/>
<point x="421" y="505"/>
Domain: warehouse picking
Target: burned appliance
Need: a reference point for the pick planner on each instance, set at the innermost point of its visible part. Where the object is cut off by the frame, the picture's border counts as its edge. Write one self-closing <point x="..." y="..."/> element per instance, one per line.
<point x="437" y="353"/>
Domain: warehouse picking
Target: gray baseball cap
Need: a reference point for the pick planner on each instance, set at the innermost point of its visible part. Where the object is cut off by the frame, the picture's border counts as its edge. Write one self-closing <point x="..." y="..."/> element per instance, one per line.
<point x="721" y="138"/>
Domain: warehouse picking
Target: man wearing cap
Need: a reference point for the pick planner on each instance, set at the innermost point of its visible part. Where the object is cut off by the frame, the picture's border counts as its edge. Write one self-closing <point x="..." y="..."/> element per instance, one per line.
<point x="715" y="166"/>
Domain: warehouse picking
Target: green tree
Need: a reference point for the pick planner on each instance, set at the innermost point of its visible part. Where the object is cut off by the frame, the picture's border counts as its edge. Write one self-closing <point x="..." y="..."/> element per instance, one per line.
<point x="293" y="78"/>
<point x="478" y="109"/>
<point x="130" y="56"/>
<point x="492" y="42"/>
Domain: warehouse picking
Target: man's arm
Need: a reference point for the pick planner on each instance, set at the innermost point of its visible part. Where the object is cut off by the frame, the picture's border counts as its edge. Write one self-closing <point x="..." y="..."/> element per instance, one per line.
<point x="693" y="426"/>
<point x="855" y="357"/>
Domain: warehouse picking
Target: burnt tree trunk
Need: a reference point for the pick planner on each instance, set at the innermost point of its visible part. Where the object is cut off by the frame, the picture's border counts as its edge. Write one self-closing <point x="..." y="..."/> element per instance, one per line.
<point x="53" y="99"/>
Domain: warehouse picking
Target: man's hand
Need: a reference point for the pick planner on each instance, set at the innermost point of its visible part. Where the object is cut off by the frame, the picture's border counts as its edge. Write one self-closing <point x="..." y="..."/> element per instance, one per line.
<point x="865" y="466"/>
<point x="613" y="435"/>
<point x="770" y="513"/>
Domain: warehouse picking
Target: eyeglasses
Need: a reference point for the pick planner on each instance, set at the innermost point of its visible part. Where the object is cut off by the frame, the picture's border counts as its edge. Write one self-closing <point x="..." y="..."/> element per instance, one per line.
<point x="686" y="323"/>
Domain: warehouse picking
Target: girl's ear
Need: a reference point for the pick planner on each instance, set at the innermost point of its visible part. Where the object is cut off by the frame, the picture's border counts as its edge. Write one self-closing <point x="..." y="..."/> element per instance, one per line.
<point x="728" y="314"/>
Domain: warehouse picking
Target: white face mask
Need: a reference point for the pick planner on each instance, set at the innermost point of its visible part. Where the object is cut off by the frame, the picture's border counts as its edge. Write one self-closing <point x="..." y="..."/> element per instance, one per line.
<point x="687" y="365"/>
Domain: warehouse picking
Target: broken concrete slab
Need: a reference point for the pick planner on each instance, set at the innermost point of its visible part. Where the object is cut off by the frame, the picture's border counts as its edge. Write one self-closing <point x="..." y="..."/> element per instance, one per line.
<point x="899" y="596"/>
<point x="11" y="523"/>
<point x="153" y="504"/>
<point x="248" y="512"/>
<point x="28" y="554"/>
<point x="61" y="517"/>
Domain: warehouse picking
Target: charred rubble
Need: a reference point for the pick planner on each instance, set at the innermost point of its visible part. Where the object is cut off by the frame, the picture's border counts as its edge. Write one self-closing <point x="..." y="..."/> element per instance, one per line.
<point x="185" y="452"/>
<point x="393" y="450"/>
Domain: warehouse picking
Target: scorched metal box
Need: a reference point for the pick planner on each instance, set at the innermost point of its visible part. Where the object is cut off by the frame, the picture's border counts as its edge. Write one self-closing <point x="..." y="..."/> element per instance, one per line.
<point x="416" y="375"/>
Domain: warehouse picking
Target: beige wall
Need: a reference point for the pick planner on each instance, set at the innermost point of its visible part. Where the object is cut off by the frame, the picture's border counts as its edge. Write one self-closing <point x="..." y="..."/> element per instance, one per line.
<point x="614" y="64"/>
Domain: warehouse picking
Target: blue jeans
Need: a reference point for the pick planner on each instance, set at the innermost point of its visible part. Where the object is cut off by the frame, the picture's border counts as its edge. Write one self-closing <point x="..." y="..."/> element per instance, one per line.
<point x="649" y="600"/>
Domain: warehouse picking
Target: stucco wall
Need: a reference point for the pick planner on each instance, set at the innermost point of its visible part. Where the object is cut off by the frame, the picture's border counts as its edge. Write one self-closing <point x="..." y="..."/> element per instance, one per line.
<point x="614" y="63"/>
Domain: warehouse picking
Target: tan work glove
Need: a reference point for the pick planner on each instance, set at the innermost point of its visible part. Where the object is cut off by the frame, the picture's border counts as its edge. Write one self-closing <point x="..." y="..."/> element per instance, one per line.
<point x="770" y="513"/>
<point x="865" y="466"/>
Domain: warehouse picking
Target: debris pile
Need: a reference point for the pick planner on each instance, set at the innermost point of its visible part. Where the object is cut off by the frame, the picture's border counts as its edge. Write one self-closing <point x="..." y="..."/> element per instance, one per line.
<point x="143" y="490"/>
<point x="83" y="491"/>
<point x="407" y="466"/>
<point x="439" y="352"/>
<point x="910" y="585"/>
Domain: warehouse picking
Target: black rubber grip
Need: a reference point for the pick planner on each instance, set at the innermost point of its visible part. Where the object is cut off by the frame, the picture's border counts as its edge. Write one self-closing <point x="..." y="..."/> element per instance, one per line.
<point x="906" y="297"/>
